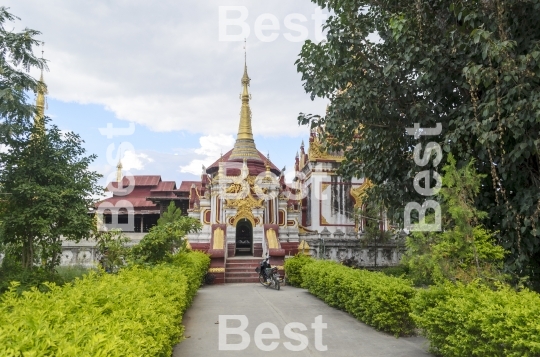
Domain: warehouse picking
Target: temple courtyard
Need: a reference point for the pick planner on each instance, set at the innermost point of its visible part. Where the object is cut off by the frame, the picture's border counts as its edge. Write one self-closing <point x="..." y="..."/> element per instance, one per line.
<point x="342" y="336"/>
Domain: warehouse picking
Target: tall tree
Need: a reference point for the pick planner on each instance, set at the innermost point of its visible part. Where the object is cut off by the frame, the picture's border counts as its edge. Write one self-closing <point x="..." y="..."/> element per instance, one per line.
<point x="44" y="178"/>
<point x="16" y="60"/>
<point x="473" y="66"/>
<point x="51" y="189"/>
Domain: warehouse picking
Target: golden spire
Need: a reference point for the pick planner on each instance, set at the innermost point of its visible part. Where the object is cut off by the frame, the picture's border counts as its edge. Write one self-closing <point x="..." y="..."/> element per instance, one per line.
<point x="244" y="148"/>
<point x="119" y="171"/>
<point x="40" y="101"/>
<point x="267" y="163"/>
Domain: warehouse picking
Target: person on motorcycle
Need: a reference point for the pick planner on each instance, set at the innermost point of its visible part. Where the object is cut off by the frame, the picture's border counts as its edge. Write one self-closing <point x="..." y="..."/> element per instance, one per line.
<point x="264" y="266"/>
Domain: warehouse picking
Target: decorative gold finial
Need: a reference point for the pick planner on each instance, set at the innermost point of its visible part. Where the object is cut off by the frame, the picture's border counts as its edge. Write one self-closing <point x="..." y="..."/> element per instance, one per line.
<point x="119" y="171"/>
<point x="267" y="163"/>
<point x="244" y="148"/>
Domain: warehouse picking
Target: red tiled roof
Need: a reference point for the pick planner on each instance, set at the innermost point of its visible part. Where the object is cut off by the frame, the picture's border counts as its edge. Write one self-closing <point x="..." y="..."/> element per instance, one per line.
<point x="255" y="167"/>
<point x="185" y="186"/>
<point x="137" y="202"/>
<point x="165" y="186"/>
<point x="144" y="180"/>
<point x="139" y="180"/>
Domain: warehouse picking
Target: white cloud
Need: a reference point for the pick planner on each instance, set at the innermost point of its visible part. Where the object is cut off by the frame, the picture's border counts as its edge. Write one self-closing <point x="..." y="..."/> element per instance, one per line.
<point x="212" y="146"/>
<point x="135" y="161"/>
<point x="195" y="166"/>
<point x="161" y="64"/>
<point x="215" y="145"/>
<point x="290" y="174"/>
<point x="4" y="148"/>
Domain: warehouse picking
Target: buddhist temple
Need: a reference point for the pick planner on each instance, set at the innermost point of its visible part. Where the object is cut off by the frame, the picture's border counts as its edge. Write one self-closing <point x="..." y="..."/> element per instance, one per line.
<point x="246" y="208"/>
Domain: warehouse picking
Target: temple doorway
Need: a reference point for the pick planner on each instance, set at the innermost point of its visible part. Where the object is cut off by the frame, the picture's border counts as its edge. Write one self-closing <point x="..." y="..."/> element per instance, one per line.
<point x="244" y="238"/>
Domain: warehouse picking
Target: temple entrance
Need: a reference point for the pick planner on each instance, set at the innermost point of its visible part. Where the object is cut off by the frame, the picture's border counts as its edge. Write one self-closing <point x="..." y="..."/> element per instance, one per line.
<point x="244" y="238"/>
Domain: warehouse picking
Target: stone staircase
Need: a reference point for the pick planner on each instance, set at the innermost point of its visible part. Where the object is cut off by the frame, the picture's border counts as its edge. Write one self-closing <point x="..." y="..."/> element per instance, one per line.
<point x="242" y="270"/>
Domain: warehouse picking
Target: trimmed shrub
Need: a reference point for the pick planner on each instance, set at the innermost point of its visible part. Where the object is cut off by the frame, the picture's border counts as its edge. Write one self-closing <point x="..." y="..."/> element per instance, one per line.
<point x="137" y="312"/>
<point x="473" y="320"/>
<point x="70" y="273"/>
<point x="399" y="271"/>
<point x="293" y="267"/>
<point x="378" y="300"/>
<point x="194" y="266"/>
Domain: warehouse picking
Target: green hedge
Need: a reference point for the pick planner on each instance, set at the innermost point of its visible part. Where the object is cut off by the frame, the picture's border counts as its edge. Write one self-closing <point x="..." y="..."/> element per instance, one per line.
<point x="474" y="320"/>
<point x="293" y="268"/>
<point x="374" y="298"/>
<point x="137" y="312"/>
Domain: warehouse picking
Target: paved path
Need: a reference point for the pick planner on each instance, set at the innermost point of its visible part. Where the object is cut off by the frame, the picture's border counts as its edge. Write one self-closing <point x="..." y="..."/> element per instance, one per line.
<point x="344" y="336"/>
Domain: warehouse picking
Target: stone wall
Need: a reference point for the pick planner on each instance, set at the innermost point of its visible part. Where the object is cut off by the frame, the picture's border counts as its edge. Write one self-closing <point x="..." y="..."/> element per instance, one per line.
<point x="355" y="249"/>
<point x="351" y="249"/>
<point x="85" y="252"/>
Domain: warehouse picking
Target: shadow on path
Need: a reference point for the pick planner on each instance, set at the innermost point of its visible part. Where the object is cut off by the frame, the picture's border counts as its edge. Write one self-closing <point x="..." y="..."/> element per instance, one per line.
<point x="344" y="336"/>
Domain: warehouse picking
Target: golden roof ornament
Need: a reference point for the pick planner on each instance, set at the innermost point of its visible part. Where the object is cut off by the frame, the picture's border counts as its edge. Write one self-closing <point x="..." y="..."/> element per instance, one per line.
<point x="244" y="147"/>
<point x="245" y="169"/>
<point x="267" y="163"/>
<point x="318" y="151"/>
<point x="119" y="171"/>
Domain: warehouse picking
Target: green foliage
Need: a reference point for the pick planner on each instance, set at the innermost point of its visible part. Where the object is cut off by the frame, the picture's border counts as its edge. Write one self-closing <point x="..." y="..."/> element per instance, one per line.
<point x="45" y="184"/>
<point x="400" y="271"/>
<point x="26" y="278"/>
<point x="46" y="174"/>
<point x="378" y="300"/>
<point x="172" y="214"/>
<point x="72" y="272"/>
<point x="111" y="246"/>
<point x="474" y="320"/>
<point x="293" y="268"/>
<point x="194" y="266"/>
<point x="12" y="270"/>
<point x="16" y="60"/>
<point x="136" y="312"/>
<point x="372" y="212"/>
<point x="464" y="250"/>
<point x="473" y="66"/>
<point x="164" y="240"/>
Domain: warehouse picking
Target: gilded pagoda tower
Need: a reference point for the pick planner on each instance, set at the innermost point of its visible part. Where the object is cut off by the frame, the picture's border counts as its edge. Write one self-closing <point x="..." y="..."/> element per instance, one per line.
<point x="244" y="148"/>
<point x="242" y="200"/>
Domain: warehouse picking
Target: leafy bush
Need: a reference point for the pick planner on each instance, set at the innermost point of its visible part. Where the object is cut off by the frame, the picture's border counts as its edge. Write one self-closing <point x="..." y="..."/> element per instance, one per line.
<point x="27" y="278"/>
<point x="372" y="297"/>
<point x="112" y="249"/>
<point x="163" y="240"/>
<point x="293" y="267"/>
<point x="464" y="250"/>
<point x="194" y="265"/>
<point x="397" y="271"/>
<point x="136" y="312"/>
<point x="474" y="320"/>
<point x="70" y="273"/>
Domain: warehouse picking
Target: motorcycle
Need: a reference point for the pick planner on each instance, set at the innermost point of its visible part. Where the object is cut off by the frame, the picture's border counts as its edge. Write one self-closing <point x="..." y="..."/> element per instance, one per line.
<point x="268" y="276"/>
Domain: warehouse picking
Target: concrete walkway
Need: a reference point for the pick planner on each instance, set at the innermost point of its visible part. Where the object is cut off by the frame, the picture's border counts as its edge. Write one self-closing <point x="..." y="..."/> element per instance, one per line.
<point x="344" y="336"/>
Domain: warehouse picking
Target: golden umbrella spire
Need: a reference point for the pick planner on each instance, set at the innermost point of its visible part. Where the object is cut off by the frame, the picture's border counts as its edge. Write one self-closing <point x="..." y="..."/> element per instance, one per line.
<point x="119" y="171"/>
<point x="244" y="148"/>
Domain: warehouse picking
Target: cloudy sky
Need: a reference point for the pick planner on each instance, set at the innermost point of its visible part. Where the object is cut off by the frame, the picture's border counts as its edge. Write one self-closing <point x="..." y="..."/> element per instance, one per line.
<point x="167" y="73"/>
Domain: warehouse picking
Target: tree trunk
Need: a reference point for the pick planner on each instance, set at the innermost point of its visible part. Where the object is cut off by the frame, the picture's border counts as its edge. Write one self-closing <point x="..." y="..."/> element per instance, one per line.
<point x="28" y="253"/>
